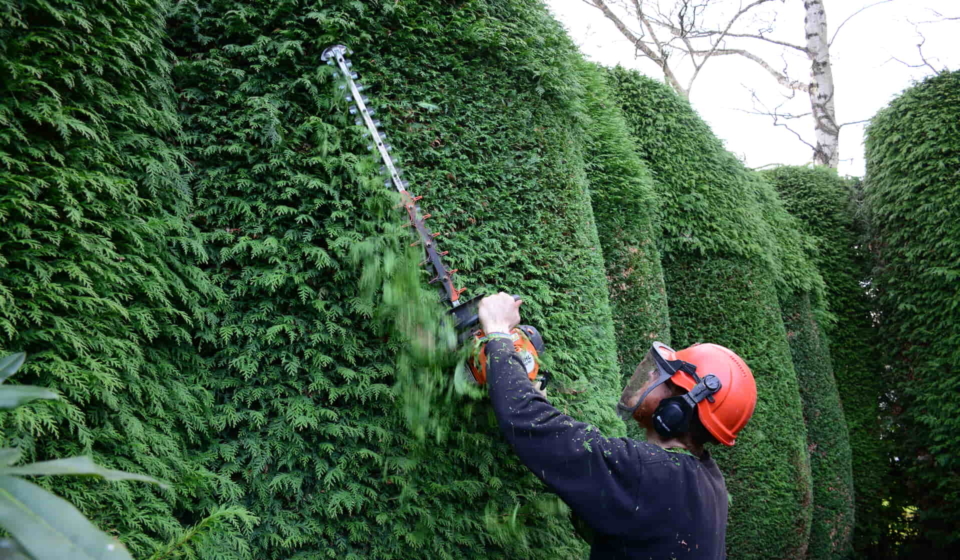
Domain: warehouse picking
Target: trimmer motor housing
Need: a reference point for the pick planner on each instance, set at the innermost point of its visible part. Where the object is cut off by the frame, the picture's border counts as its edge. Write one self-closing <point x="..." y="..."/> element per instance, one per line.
<point x="528" y="344"/>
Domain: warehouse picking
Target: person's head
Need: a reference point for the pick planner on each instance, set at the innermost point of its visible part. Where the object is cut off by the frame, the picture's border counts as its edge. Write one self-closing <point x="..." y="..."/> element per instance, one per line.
<point x="701" y="394"/>
<point x="697" y="434"/>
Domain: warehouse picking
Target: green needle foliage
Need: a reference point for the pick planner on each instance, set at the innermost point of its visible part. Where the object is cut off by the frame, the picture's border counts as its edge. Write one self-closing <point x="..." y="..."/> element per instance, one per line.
<point x="316" y="393"/>
<point x="622" y="193"/>
<point x="825" y="204"/>
<point x="802" y="301"/>
<point x="43" y="525"/>
<point x="828" y="441"/>
<point x="93" y="280"/>
<point x="722" y="287"/>
<point x="912" y="185"/>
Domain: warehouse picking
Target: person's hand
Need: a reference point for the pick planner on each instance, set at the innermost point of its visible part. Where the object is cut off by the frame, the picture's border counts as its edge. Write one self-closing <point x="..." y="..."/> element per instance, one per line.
<point x="499" y="313"/>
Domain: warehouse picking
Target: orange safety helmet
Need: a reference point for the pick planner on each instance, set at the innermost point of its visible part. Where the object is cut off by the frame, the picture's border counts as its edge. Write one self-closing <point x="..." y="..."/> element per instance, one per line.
<point x="718" y="382"/>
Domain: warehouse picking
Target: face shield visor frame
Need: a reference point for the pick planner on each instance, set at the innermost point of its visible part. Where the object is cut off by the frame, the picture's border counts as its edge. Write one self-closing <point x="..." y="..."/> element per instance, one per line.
<point x="653" y="361"/>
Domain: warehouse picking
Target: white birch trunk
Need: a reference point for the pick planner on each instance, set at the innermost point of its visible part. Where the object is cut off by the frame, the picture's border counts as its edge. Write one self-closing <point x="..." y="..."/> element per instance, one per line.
<point x="827" y="150"/>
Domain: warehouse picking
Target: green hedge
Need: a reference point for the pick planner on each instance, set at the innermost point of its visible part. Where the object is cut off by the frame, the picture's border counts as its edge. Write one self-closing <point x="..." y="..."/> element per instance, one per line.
<point x="802" y="294"/>
<point x="826" y="206"/>
<point x="913" y="196"/>
<point x="479" y="103"/>
<point x="622" y="195"/>
<point x="828" y="441"/>
<point x="721" y="285"/>
<point x="93" y="280"/>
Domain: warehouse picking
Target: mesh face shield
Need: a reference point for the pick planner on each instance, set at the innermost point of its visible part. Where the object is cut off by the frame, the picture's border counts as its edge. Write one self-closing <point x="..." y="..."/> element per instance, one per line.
<point x="653" y="362"/>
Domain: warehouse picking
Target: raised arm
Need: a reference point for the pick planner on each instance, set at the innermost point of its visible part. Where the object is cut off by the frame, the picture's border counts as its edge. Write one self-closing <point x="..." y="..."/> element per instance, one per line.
<point x="596" y="476"/>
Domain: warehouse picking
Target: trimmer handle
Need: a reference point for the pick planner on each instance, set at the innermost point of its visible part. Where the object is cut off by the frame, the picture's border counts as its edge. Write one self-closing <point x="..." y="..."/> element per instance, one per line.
<point x="529" y="343"/>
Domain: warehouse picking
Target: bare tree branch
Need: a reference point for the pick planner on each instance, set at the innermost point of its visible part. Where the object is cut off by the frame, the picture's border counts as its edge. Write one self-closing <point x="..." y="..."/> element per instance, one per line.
<point x="941" y="18"/>
<point x="768" y="165"/>
<point x="670" y="30"/>
<point x="923" y="60"/>
<point x="726" y="30"/>
<point x="659" y="58"/>
<point x="923" y="40"/>
<point x="853" y="122"/>
<point x="767" y="39"/>
<point x="781" y="78"/>
<point x="851" y="16"/>
<point x="777" y="116"/>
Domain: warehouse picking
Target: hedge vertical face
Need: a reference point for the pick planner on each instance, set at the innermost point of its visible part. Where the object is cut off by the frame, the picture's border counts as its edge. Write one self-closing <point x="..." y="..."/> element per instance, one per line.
<point x="621" y="192"/>
<point x="478" y="104"/>
<point x="90" y="286"/>
<point x="824" y="204"/>
<point x="721" y="288"/>
<point x="801" y="294"/>
<point x="830" y="461"/>
<point x="912" y="151"/>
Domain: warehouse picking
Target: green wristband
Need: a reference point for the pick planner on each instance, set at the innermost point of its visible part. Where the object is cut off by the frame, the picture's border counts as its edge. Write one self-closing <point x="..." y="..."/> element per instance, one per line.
<point x="493" y="335"/>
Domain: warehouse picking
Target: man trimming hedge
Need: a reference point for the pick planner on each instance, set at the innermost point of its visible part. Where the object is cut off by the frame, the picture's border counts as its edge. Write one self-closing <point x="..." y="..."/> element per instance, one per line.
<point x="663" y="498"/>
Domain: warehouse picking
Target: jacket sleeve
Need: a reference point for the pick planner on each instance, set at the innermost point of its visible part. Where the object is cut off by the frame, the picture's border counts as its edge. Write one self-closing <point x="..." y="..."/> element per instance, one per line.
<point x="596" y="476"/>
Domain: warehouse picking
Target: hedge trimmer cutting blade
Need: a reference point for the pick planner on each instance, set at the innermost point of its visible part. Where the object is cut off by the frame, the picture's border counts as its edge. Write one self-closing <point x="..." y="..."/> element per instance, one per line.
<point x="527" y="340"/>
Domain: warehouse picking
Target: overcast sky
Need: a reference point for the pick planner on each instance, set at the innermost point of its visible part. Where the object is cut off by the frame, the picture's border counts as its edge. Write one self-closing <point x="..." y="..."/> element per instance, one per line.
<point x="866" y="77"/>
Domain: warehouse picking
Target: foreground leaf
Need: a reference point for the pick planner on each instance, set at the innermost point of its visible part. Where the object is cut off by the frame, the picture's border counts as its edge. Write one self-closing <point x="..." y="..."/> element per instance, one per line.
<point x="9" y="456"/>
<point x="12" y="396"/>
<point x="10" y="364"/>
<point x="76" y="466"/>
<point x="48" y="527"/>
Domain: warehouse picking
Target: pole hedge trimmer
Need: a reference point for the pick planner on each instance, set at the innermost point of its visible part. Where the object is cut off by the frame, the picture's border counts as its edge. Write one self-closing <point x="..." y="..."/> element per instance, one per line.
<point x="526" y="339"/>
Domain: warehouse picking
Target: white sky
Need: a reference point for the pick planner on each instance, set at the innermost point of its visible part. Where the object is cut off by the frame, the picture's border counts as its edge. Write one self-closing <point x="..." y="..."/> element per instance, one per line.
<point x="865" y="76"/>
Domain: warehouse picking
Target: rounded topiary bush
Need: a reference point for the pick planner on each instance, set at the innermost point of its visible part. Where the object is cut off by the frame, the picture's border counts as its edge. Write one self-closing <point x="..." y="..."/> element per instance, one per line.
<point x="719" y="268"/>
<point x="484" y="109"/>
<point x="912" y="188"/>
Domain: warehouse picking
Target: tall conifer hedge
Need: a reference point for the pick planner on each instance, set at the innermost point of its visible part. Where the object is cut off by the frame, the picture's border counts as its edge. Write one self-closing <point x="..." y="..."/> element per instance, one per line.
<point x="94" y="284"/>
<point x="913" y="195"/>
<point x="825" y="205"/>
<point x="624" y="203"/>
<point x="478" y="100"/>
<point x="721" y="288"/>
<point x="802" y="300"/>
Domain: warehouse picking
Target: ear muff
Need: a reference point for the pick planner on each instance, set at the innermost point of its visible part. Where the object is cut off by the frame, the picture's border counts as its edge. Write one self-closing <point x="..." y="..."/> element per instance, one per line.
<point x="672" y="417"/>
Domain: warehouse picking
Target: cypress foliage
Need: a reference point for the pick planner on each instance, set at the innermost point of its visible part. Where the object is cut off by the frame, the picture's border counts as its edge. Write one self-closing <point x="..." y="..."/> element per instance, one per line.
<point x="621" y="190"/>
<point x="722" y="288"/>
<point x="94" y="284"/>
<point x="804" y="313"/>
<point x="824" y="204"/>
<point x="479" y="103"/>
<point x="913" y="177"/>
<point x="828" y="442"/>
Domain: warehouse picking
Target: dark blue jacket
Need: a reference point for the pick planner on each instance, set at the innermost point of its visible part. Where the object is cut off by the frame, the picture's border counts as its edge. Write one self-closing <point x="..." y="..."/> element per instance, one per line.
<point x="640" y="500"/>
